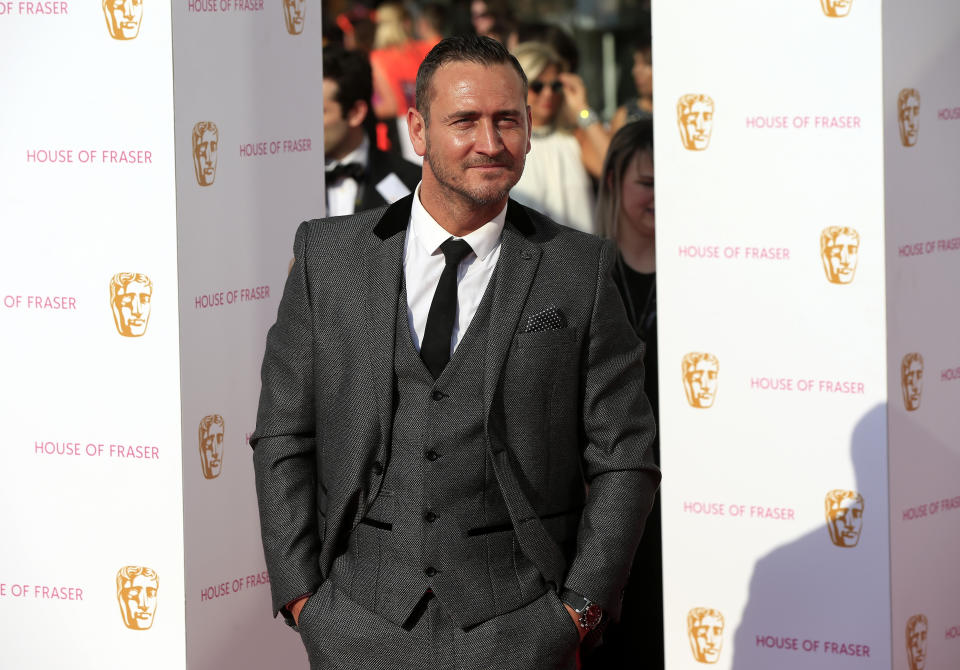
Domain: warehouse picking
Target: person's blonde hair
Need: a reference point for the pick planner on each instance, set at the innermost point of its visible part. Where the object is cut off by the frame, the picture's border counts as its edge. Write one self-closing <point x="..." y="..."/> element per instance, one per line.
<point x="535" y="57"/>
<point x="633" y="139"/>
<point x="392" y="26"/>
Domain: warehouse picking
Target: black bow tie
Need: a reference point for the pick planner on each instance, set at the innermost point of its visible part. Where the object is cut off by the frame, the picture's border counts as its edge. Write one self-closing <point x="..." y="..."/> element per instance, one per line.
<point x="338" y="172"/>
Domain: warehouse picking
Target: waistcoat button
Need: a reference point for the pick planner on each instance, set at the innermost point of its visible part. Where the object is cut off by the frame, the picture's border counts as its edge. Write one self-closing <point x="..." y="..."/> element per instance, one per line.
<point x="432" y="455"/>
<point x="430" y="517"/>
<point x="438" y="395"/>
<point x="430" y="572"/>
<point x="377" y="468"/>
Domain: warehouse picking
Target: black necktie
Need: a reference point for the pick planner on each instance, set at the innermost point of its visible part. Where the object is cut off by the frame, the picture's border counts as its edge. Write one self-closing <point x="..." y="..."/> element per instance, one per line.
<point x="352" y="170"/>
<point x="435" y="347"/>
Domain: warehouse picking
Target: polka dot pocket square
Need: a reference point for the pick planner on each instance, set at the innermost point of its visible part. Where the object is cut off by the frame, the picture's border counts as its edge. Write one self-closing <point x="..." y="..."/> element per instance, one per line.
<point x="550" y="318"/>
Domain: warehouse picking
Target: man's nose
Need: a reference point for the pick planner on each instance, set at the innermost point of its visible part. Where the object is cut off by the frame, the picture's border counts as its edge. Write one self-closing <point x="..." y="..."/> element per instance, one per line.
<point x="488" y="139"/>
<point x="128" y="9"/>
<point x="136" y="307"/>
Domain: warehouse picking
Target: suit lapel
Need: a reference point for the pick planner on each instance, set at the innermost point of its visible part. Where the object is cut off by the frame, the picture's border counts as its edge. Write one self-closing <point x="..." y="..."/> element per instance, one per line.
<point x="384" y="256"/>
<point x="377" y="168"/>
<point x="519" y="259"/>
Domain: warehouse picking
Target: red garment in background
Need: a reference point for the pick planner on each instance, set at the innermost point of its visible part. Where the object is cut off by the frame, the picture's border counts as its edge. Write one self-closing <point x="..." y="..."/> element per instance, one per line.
<point x="399" y="67"/>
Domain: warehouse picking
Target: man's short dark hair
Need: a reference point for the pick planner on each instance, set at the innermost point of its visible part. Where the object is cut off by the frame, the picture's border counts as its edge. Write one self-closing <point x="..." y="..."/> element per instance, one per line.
<point x="461" y="49"/>
<point x="351" y="72"/>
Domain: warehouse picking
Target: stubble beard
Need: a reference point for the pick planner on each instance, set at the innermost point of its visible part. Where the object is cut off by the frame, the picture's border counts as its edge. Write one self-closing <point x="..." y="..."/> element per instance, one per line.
<point x="477" y="197"/>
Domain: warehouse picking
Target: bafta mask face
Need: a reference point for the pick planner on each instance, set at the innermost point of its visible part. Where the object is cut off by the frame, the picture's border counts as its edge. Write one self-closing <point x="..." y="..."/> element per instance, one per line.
<point x="695" y="118"/>
<point x="844" y="517"/>
<point x="130" y="295"/>
<point x="917" y="641"/>
<point x="911" y="381"/>
<point x="206" y="143"/>
<point x="700" y="373"/>
<point x="294" y="13"/>
<point x="839" y="251"/>
<point x="705" y="630"/>
<point x="137" y="595"/>
<point x="908" y="116"/>
<point x="211" y="445"/>
<point x="123" y="18"/>
<point x="837" y="8"/>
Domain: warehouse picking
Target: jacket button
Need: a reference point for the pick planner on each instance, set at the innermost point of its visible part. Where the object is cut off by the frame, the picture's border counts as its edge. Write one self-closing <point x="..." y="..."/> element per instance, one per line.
<point x="430" y="572"/>
<point x="430" y="517"/>
<point x="438" y="395"/>
<point x="432" y="455"/>
<point x="377" y="468"/>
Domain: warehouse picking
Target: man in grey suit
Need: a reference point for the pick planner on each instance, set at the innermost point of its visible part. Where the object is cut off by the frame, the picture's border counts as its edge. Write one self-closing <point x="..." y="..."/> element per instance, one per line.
<point x="452" y="450"/>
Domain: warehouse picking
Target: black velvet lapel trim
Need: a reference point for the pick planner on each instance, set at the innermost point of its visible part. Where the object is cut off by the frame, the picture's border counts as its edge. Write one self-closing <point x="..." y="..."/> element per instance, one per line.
<point x="397" y="216"/>
<point x="395" y="219"/>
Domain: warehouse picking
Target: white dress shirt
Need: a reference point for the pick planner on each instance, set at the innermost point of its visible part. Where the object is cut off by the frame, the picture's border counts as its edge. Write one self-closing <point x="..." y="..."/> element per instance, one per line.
<point x="342" y="196"/>
<point x="423" y="263"/>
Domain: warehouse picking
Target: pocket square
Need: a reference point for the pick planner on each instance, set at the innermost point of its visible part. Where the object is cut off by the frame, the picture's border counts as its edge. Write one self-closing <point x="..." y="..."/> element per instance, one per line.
<point x="549" y="319"/>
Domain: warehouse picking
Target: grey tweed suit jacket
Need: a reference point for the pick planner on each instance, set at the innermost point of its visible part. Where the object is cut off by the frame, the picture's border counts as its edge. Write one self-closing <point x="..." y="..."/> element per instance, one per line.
<point x="567" y="404"/>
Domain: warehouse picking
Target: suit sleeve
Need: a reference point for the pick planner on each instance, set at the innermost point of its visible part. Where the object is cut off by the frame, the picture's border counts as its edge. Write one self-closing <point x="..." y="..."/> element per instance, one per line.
<point x="618" y="460"/>
<point x="284" y="443"/>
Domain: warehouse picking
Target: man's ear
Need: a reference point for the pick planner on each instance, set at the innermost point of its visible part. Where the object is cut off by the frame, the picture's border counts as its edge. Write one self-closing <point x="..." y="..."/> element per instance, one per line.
<point x="417" y="128"/>
<point x="529" y="129"/>
<point x="357" y="114"/>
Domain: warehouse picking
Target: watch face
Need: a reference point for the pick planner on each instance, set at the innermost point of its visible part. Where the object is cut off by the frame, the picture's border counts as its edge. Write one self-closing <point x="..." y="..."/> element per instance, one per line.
<point x="591" y="616"/>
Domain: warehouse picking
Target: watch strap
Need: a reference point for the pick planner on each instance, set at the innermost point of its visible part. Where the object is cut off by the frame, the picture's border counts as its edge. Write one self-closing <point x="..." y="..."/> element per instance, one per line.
<point x="575" y="600"/>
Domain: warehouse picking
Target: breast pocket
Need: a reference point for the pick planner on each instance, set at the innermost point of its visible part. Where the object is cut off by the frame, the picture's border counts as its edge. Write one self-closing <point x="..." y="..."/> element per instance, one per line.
<point x="545" y="338"/>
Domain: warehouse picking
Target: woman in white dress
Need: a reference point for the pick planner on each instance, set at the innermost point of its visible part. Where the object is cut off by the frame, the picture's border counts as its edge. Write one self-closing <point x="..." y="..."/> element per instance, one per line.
<point x="567" y="135"/>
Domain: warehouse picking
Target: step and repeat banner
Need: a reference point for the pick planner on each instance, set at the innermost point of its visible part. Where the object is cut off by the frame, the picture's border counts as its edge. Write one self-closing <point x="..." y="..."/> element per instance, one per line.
<point x="92" y="511"/>
<point x="249" y="136"/>
<point x="921" y="98"/>
<point x="777" y="283"/>
<point x="156" y="158"/>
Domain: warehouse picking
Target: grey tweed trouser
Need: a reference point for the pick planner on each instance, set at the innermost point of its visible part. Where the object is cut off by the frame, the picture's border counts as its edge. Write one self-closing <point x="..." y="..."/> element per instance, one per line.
<point x="339" y="634"/>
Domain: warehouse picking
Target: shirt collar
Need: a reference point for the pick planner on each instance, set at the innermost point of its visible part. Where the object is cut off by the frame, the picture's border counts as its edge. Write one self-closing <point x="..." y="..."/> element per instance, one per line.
<point x="430" y="235"/>
<point x="358" y="155"/>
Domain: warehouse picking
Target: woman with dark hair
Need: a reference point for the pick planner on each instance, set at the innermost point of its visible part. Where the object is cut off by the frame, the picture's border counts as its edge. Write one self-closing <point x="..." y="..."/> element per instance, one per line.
<point x="625" y="213"/>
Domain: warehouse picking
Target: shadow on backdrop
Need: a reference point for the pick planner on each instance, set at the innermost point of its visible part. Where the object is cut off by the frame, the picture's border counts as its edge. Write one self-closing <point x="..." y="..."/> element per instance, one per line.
<point x="830" y="588"/>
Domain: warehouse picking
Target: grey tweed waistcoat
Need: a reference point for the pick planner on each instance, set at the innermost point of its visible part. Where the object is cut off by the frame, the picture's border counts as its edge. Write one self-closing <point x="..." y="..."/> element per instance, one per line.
<point x="439" y="521"/>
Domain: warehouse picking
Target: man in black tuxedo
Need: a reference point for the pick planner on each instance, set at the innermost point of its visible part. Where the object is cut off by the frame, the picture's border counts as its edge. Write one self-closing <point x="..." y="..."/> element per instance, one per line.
<point x="453" y="446"/>
<point x="359" y="176"/>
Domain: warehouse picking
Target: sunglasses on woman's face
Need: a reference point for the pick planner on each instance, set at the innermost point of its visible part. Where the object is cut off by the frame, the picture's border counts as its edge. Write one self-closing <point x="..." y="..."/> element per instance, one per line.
<point x="537" y="86"/>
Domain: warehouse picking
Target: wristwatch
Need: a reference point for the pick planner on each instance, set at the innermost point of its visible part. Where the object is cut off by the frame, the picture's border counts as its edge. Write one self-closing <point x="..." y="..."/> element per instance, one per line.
<point x="589" y="611"/>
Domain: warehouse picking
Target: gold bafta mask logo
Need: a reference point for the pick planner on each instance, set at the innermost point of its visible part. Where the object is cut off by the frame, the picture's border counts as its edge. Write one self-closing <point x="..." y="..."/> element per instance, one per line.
<point x="695" y="118"/>
<point x="294" y="14"/>
<point x="917" y="641"/>
<point x="206" y="144"/>
<point x="839" y="251"/>
<point x="705" y="630"/>
<point x="700" y="372"/>
<point x="908" y="116"/>
<point x="836" y="8"/>
<point x="211" y="445"/>
<point x="911" y="380"/>
<point x="130" y="294"/>
<point x="844" y="517"/>
<point x="137" y="595"/>
<point x="123" y="18"/>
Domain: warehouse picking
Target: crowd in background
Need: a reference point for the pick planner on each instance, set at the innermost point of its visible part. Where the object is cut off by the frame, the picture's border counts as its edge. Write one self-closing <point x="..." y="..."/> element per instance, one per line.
<point x="583" y="171"/>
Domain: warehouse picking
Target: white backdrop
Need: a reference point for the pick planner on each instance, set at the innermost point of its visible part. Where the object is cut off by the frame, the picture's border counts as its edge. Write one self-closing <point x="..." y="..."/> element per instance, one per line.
<point x="773" y="259"/>
<point x="106" y="382"/>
